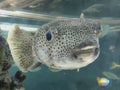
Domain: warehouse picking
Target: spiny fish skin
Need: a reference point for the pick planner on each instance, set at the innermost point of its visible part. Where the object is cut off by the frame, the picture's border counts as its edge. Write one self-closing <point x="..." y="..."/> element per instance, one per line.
<point x="67" y="43"/>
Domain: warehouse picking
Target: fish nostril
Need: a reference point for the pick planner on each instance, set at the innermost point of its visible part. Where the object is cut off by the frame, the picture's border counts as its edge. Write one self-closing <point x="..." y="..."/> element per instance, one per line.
<point x="48" y="36"/>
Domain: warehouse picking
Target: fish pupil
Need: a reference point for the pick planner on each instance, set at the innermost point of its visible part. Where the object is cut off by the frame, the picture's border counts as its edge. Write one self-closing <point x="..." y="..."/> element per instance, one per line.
<point x="48" y="36"/>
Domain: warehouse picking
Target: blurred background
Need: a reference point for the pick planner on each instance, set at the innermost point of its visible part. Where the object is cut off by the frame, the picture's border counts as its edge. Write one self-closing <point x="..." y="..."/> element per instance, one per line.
<point x="31" y="14"/>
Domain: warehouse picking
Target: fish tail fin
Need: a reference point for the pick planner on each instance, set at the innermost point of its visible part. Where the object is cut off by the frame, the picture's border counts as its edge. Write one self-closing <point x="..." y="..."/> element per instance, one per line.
<point x="20" y="43"/>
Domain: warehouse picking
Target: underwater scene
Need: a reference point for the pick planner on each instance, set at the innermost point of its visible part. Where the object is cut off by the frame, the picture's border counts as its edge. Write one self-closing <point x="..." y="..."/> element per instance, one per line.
<point x="59" y="45"/>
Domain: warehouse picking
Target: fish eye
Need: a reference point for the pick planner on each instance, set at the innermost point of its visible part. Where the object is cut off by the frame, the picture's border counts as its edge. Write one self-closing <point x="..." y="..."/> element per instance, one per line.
<point x="48" y="36"/>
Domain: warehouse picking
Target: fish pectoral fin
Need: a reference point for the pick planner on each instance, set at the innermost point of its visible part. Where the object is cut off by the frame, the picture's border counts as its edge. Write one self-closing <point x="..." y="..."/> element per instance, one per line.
<point x="54" y="70"/>
<point x="35" y="67"/>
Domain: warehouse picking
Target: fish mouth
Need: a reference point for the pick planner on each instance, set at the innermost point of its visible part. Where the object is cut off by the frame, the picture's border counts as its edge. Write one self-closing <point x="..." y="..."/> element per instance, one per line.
<point x="89" y="51"/>
<point x="86" y="52"/>
<point x="78" y="59"/>
<point x="86" y="49"/>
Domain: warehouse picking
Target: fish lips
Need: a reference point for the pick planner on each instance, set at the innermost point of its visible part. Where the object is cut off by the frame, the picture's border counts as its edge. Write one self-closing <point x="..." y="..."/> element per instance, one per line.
<point x="86" y="49"/>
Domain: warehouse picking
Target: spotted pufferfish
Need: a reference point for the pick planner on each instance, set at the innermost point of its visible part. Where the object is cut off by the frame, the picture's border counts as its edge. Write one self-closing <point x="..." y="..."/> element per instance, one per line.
<point x="63" y="44"/>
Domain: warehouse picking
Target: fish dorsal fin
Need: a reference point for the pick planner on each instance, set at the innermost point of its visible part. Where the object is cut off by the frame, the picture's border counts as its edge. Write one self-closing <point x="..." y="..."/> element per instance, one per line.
<point x="82" y="16"/>
<point x="105" y="30"/>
